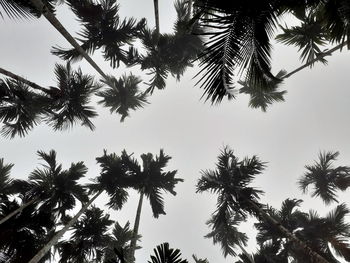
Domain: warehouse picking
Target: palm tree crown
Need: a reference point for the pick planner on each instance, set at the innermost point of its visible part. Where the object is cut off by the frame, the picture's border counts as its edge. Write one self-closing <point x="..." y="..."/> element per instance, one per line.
<point x="325" y="177"/>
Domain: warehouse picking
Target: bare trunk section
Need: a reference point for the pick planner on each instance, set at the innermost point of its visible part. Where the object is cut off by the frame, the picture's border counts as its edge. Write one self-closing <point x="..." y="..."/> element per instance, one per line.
<point x="327" y="53"/>
<point x="19" y="78"/>
<point x="60" y="233"/>
<point x="135" y="231"/>
<point x="54" y="21"/>
<point x="312" y="254"/>
<point x="246" y="253"/>
<point x="156" y="14"/>
<point x="18" y="210"/>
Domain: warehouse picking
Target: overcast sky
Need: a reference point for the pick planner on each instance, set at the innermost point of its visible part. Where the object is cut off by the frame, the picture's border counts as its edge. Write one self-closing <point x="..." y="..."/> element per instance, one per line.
<point x="314" y="117"/>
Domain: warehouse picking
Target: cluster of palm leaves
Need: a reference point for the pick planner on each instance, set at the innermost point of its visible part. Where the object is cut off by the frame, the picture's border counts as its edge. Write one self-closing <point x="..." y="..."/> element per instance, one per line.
<point x="229" y="40"/>
<point x="24" y="104"/>
<point x="240" y="37"/>
<point x="35" y="213"/>
<point x="283" y="234"/>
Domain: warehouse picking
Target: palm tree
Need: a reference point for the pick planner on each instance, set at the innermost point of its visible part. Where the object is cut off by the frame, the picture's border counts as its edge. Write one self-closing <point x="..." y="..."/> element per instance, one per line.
<point x="25" y="104"/>
<point x="164" y="254"/>
<point x="231" y="182"/>
<point x="23" y="235"/>
<point x="123" y="95"/>
<point x="89" y="238"/>
<point x="240" y="35"/>
<point x="113" y="179"/>
<point x="45" y="11"/>
<point x="103" y="28"/>
<point x="325" y="177"/>
<point x="120" y="242"/>
<point x="52" y="188"/>
<point x="170" y="53"/>
<point x="150" y="181"/>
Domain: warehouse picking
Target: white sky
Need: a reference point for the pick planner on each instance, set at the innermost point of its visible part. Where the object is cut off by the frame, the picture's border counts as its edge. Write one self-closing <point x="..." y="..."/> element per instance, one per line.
<point x="314" y="117"/>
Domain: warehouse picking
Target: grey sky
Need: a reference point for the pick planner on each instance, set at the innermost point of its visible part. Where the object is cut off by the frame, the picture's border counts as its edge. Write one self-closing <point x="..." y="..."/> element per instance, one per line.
<point x="314" y="117"/>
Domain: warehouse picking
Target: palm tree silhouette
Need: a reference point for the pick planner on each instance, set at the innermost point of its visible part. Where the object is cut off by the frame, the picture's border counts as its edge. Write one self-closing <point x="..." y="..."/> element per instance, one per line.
<point x="149" y="182"/>
<point x="325" y="177"/>
<point x="231" y="181"/>
<point x="89" y="238"/>
<point x="25" y="104"/>
<point x="51" y="188"/>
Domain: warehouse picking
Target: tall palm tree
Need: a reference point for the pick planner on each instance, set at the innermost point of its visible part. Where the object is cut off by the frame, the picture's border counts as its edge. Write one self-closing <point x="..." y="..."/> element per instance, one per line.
<point x="89" y="238"/>
<point x="103" y="28"/>
<point x="325" y="177"/>
<point x="45" y="11"/>
<point x="150" y="181"/>
<point x="231" y="181"/>
<point x="52" y="188"/>
<point x="113" y="179"/>
<point x="25" y="104"/>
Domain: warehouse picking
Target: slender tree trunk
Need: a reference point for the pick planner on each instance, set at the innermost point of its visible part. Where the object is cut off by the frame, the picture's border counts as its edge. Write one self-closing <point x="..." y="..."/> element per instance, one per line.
<point x="156" y="14"/>
<point x="18" y="210"/>
<point x="60" y="233"/>
<point x="324" y="54"/>
<point x="54" y="21"/>
<point x="19" y="78"/>
<point x="136" y="230"/>
<point x="308" y="251"/>
<point x="246" y="253"/>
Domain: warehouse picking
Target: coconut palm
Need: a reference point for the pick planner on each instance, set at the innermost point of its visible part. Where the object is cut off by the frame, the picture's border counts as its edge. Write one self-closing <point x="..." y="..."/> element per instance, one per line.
<point x="240" y="35"/>
<point x="89" y="238"/>
<point x="150" y="181"/>
<point x="123" y="95"/>
<point x="24" y="104"/>
<point x="325" y="177"/>
<point x="231" y="181"/>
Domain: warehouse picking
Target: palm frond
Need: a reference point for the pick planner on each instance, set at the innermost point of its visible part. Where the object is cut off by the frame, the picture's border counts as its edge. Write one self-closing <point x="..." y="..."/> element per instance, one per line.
<point x="123" y="95"/>
<point x="164" y="254"/>
<point x="69" y="101"/>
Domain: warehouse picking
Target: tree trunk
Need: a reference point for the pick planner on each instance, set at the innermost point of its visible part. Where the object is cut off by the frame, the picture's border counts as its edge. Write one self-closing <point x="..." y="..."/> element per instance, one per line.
<point x="156" y="14"/>
<point x="327" y="53"/>
<point x="54" y="21"/>
<point x="16" y="77"/>
<point x="18" y="210"/>
<point x="60" y="233"/>
<point x="308" y="251"/>
<point x="246" y="253"/>
<point x="135" y="231"/>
